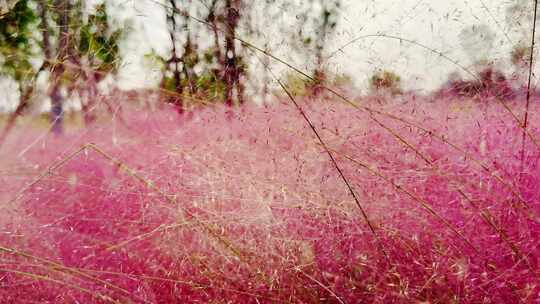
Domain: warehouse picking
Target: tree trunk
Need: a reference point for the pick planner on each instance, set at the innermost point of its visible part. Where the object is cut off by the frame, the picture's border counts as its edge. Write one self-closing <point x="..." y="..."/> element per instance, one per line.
<point x="188" y="64"/>
<point x="323" y="31"/>
<point x="58" y="68"/>
<point x="44" y="28"/>
<point x="230" y="72"/>
<point x="56" y="110"/>
<point x="189" y="58"/>
<point x="26" y="91"/>
<point x="212" y="20"/>
<point x="23" y="104"/>
<point x="88" y="95"/>
<point x="175" y="98"/>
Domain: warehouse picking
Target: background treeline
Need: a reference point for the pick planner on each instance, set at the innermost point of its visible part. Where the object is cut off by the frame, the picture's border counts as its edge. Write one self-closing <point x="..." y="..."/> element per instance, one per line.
<point x="74" y="44"/>
<point x="69" y="44"/>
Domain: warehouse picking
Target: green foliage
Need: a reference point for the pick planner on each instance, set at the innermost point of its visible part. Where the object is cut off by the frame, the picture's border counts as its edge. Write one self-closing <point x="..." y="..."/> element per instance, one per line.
<point x="210" y="88"/>
<point x="16" y="42"/>
<point x="386" y="81"/>
<point x="99" y="43"/>
<point x="153" y="60"/>
<point x="206" y="85"/>
<point x="167" y="83"/>
<point x="341" y="80"/>
<point x="298" y="85"/>
<point x="208" y="56"/>
<point x="93" y="41"/>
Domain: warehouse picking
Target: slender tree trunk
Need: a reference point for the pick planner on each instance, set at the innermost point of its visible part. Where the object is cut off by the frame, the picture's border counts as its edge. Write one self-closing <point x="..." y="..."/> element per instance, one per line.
<point x="188" y="64"/>
<point x="219" y="60"/>
<point x="266" y="76"/>
<point x="189" y="58"/>
<point x="230" y="73"/>
<point x="239" y="84"/>
<point x="319" y="75"/>
<point x="88" y="96"/>
<point x="212" y="20"/>
<point x="174" y="59"/>
<point x="58" y="68"/>
<point x="44" y="28"/>
<point x="23" y="104"/>
<point x="56" y="110"/>
<point x="176" y="98"/>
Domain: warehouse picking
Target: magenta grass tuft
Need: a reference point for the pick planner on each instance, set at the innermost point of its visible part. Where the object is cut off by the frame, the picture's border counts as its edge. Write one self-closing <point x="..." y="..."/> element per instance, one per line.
<point x="249" y="209"/>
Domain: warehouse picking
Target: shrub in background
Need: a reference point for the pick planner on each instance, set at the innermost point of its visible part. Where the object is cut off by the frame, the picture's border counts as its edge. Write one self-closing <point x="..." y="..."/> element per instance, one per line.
<point x="386" y="81"/>
<point x="490" y="83"/>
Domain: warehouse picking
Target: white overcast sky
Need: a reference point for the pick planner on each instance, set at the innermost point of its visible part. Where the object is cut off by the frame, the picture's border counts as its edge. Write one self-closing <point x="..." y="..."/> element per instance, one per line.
<point x="436" y="24"/>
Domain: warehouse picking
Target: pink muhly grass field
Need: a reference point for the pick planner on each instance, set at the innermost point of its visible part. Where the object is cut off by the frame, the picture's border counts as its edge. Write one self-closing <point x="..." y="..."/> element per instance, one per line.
<point x="250" y="209"/>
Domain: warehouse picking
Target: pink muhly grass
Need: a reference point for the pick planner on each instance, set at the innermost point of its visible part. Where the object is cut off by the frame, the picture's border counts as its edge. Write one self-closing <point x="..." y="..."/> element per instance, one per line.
<point x="251" y="210"/>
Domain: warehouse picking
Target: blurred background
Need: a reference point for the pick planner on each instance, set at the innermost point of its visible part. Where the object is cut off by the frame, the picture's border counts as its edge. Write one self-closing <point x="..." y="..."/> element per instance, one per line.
<point x="59" y="56"/>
